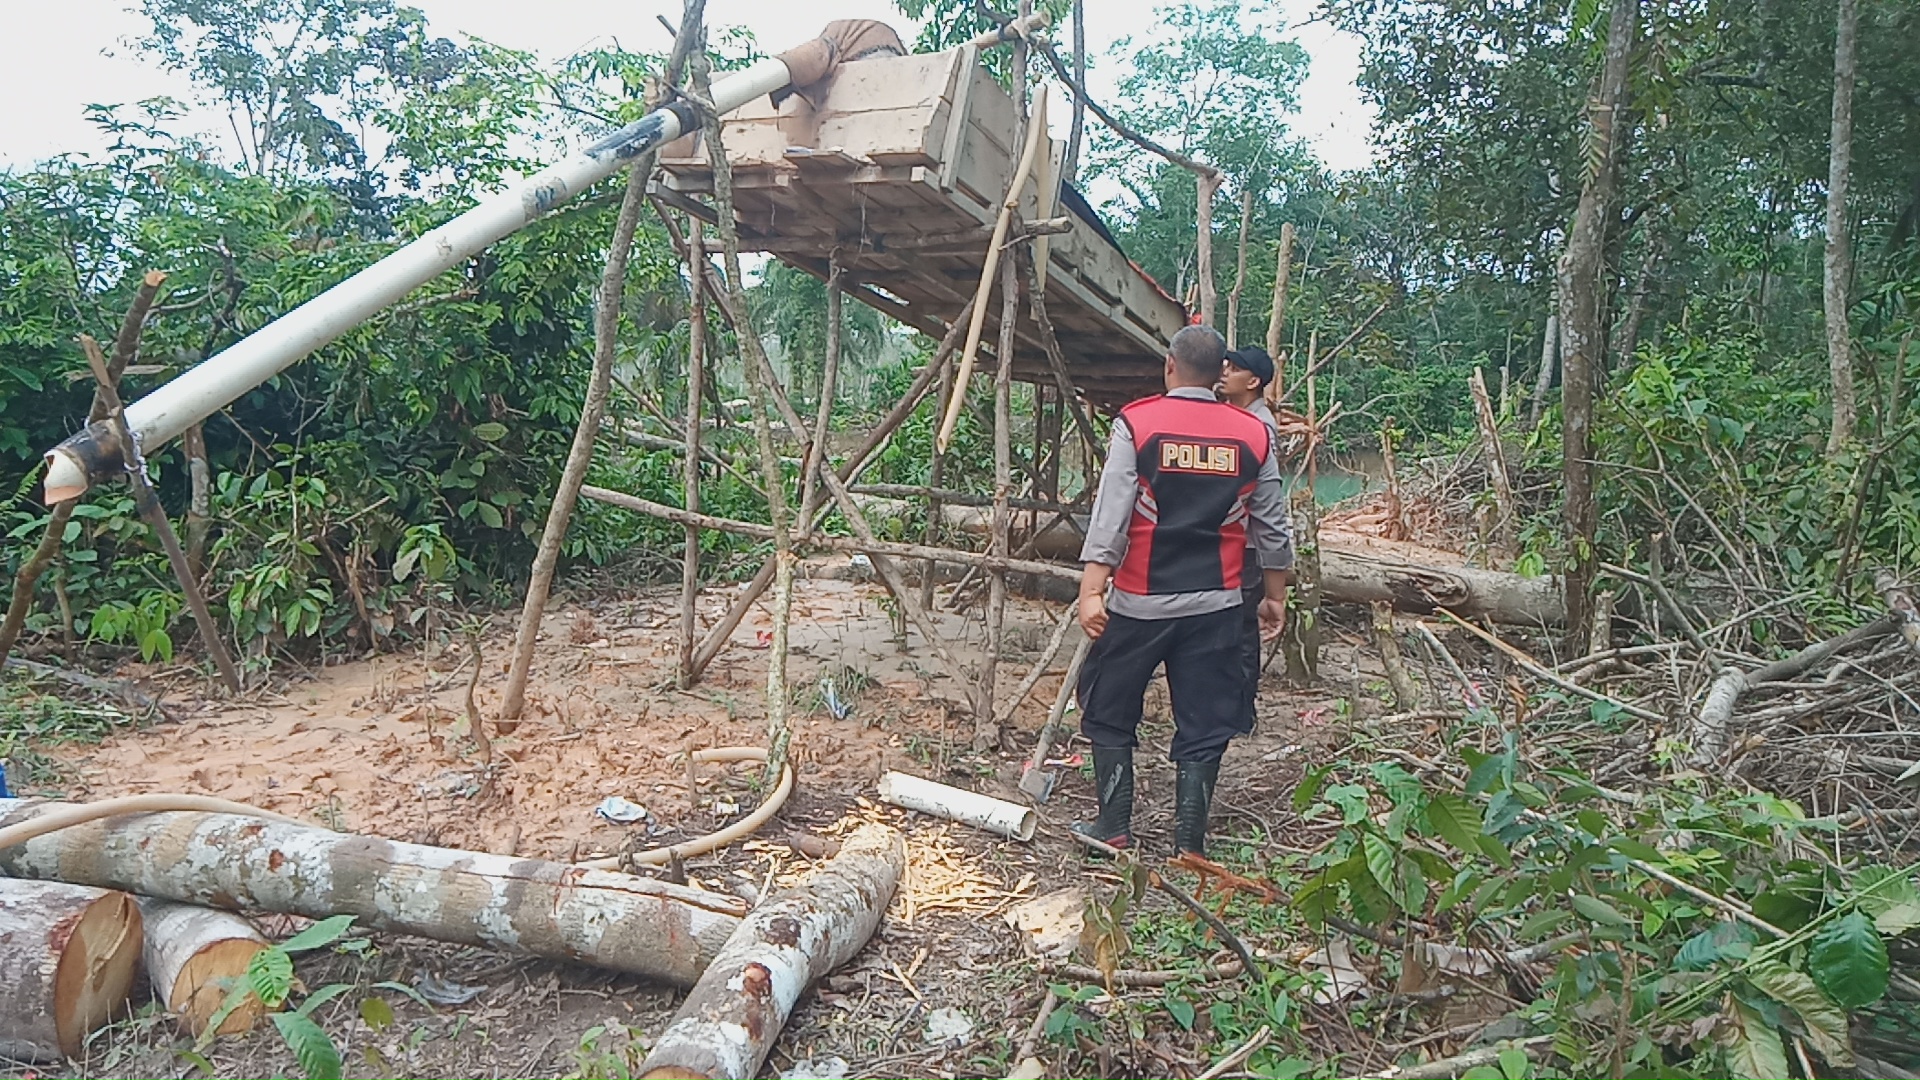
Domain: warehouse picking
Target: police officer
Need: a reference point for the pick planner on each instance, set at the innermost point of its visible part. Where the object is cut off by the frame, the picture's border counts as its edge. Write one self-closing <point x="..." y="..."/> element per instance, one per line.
<point x="1188" y="477"/>
<point x="1243" y="383"/>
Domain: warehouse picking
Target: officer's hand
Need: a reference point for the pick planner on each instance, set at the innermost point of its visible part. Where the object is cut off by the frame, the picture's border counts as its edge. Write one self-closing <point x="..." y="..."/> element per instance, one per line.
<point x="1273" y="617"/>
<point x="1093" y="616"/>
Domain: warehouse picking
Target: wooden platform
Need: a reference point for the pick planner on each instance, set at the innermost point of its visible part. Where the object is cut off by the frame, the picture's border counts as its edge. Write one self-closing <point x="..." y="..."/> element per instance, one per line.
<point x="901" y="171"/>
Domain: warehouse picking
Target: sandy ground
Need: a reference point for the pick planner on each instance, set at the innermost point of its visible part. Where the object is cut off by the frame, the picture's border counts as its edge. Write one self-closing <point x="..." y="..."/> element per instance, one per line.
<point x="380" y="747"/>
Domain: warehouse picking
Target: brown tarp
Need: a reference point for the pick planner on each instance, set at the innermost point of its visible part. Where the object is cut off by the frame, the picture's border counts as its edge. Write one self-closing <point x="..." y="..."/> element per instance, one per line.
<point x="843" y="39"/>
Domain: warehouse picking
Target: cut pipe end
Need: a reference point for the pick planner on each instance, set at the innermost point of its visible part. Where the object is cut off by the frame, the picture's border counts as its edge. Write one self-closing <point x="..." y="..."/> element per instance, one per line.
<point x="66" y="478"/>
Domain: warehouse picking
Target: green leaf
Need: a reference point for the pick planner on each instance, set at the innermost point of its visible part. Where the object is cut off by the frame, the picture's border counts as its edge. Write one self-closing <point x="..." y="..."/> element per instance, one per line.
<point x="376" y="1013"/>
<point x="1597" y="910"/>
<point x="1514" y="1064"/>
<point x="1182" y="1011"/>
<point x="1849" y="961"/>
<point x="310" y="1045"/>
<point x="1456" y="820"/>
<point x="1309" y="787"/>
<point x="322" y="996"/>
<point x="491" y="431"/>
<point x="1825" y="1022"/>
<point x="489" y="514"/>
<point x="236" y="996"/>
<point x="1754" y="1050"/>
<point x="270" y="973"/>
<point x="320" y="934"/>
<point x="1381" y="859"/>
<point x="1888" y="895"/>
<point x="1634" y="849"/>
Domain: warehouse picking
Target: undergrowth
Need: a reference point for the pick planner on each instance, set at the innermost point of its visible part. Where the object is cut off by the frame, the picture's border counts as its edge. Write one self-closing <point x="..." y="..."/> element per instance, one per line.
<point x="1490" y="900"/>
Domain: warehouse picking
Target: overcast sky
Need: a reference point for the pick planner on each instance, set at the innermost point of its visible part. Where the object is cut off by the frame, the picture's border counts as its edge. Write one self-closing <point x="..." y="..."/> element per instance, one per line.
<point x="57" y="57"/>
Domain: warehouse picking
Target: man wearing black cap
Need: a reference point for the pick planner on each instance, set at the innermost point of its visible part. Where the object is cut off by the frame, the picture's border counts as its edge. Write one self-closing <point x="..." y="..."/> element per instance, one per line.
<point x="1244" y="379"/>
<point x="1189" y="484"/>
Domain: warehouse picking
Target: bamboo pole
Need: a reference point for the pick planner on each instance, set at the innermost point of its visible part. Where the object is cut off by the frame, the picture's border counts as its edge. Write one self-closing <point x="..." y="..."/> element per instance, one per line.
<point x="1035" y="132"/>
<point x="696" y="385"/>
<point x="1277" y="315"/>
<point x="931" y="535"/>
<point x="829" y="376"/>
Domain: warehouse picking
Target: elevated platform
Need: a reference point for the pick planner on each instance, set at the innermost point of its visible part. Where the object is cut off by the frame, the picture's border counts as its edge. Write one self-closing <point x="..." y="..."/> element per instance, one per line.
<point x="900" y="170"/>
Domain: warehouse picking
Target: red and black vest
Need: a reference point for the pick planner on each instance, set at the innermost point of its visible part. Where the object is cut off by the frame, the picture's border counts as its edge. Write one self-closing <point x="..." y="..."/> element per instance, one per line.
<point x="1198" y="462"/>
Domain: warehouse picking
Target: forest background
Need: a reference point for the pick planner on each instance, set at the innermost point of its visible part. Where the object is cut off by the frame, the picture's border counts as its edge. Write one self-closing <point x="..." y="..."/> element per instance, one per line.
<point x="1748" y="335"/>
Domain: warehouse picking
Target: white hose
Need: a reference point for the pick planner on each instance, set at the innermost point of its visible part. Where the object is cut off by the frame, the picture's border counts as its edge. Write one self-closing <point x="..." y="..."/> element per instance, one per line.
<point x="713" y="841"/>
<point x="68" y="816"/>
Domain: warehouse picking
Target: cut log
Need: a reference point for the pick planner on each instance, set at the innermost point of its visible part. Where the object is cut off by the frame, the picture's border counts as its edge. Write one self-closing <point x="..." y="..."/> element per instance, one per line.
<point x="530" y="906"/>
<point x="1710" y="735"/>
<point x="67" y="960"/>
<point x="730" y="1020"/>
<point x="193" y="956"/>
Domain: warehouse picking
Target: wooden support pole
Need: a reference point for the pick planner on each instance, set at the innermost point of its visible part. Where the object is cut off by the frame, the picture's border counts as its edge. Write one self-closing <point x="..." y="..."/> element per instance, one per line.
<point x="1496" y="459"/>
<point x="193" y="955"/>
<point x="829" y="376"/>
<point x="940" y="367"/>
<point x="857" y="520"/>
<point x="728" y="1023"/>
<point x="1277" y="315"/>
<point x="1301" y="640"/>
<point x="606" y="330"/>
<point x="126" y="345"/>
<point x="762" y="384"/>
<point x="68" y="955"/>
<point x="936" y="470"/>
<point x="528" y="906"/>
<point x="1057" y="365"/>
<point x="155" y="516"/>
<point x="986" y="730"/>
<point x="1240" y="271"/>
<point x="690" y="465"/>
<point x="1406" y="696"/>
<point x="606" y="333"/>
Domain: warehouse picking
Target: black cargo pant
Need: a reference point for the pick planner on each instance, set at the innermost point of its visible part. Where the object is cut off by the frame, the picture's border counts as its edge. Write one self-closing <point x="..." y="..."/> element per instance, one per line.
<point x="1205" y="677"/>
<point x="1254" y="591"/>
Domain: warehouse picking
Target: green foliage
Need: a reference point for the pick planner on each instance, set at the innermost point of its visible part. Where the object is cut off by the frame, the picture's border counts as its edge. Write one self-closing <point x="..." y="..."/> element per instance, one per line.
<point x="270" y="981"/>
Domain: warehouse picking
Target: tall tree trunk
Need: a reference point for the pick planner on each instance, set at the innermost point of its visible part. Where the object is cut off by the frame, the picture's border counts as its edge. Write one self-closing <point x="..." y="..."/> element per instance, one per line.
<point x="200" y="506"/>
<point x="1070" y="172"/>
<point x="1240" y="271"/>
<point x="1549" y="357"/>
<point x="1207" y="186"/>
<point x="690" y="493"/>
<point x="1650" y="260"/>
<point x="1839" y="256"/>
<point x="1583" y="322"/>
<point x="1277" y="314"/>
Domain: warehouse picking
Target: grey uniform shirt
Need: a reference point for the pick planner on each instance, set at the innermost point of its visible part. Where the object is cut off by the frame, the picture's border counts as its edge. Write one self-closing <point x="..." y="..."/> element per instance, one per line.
<point x="1265" y="415"/>
<point x="1270" y="528"/>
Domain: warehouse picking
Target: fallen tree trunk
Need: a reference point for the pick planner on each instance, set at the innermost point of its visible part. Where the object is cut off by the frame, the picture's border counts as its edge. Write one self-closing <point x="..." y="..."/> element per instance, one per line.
<point x="67" y="960"/>
<point x="1709" y="734"/>
<point x="193" y="954"/>
<point x="1348" y="575"/>
<point x="529" y="906"/>
<point x="730" y="1020"/>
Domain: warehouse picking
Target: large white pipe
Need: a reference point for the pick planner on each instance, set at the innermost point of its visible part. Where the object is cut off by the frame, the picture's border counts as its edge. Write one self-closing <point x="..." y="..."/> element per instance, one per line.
<point x="198" y="394"/>
<point x="997" y="816"/>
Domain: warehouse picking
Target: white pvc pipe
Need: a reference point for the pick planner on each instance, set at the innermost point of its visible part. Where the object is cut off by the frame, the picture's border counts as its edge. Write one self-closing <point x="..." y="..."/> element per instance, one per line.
<point x="266" y="352"/>
<point x="997" y="816"/>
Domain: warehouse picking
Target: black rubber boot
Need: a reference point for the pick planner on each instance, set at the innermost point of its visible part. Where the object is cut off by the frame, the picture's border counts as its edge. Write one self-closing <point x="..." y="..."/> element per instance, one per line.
<point x="1192" y="799"/>
<point x="1113" y="784"/>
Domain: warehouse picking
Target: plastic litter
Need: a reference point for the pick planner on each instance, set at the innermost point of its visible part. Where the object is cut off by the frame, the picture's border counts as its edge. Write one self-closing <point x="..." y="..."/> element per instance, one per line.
<point x="620" y="811"/>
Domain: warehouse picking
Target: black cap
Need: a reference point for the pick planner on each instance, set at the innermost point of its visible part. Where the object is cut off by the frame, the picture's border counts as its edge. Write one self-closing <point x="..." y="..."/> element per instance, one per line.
<point x="1253" y="358"/>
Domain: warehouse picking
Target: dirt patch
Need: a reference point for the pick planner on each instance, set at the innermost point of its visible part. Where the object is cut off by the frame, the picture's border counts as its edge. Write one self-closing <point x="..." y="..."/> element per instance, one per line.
<point x="945" y="988"/>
